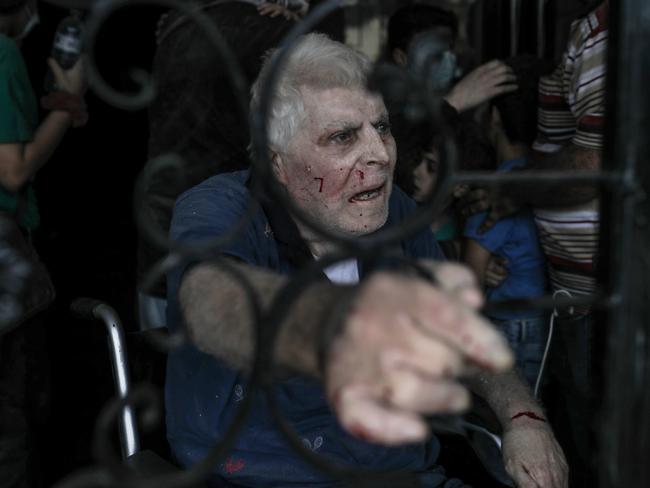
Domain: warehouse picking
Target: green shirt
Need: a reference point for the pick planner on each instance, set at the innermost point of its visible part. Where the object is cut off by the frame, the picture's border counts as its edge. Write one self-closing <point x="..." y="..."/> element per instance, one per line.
<point x="18" y="122"/>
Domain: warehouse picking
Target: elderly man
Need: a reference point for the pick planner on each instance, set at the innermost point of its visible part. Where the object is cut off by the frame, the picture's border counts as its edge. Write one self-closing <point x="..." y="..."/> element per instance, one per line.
<point x="398" y="350"/>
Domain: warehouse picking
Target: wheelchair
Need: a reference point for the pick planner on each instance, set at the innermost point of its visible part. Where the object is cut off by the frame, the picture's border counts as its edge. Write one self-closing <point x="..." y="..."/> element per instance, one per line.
<point x="467" y="442"/>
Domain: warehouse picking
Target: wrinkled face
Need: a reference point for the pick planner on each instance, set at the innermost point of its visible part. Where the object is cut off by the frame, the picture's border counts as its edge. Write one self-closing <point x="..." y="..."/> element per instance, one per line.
<point x="338" y="167"/>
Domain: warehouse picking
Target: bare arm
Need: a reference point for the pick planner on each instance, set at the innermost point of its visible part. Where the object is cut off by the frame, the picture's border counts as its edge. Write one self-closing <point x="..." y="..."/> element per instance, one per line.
<point x="531" y="453"/>
<point x="569" y="158"/>
<point x="477" y="258"/>
<point x="213" y="300"/>
<point x="397" y="355"/>
<point x="507" y="199"/>
<point x="20" y="161"/>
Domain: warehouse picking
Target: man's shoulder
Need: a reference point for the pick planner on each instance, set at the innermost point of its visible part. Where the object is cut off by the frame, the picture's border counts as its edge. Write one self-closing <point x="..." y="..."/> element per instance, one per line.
<point x="233" y="183"/>
<point x="214" y="205"/>
<point x="593" y="26"/>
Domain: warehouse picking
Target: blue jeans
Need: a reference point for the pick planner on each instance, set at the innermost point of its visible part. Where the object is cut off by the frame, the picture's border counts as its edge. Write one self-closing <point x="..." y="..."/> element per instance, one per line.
<point x="527" y="338"/>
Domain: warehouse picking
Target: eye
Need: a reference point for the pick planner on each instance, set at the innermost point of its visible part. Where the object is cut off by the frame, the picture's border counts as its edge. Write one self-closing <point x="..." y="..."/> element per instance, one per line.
<point x="383" y="127"/>
<point x="342" y="137"/>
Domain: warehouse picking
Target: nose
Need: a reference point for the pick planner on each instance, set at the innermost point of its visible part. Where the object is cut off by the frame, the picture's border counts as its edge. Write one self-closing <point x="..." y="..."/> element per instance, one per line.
<point x="376" y="148"/>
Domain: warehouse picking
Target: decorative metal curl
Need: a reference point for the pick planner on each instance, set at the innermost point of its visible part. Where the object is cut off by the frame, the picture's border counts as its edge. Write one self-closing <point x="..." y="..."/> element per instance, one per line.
<point x="102" y="12"/>
<point x="268" y="323"/>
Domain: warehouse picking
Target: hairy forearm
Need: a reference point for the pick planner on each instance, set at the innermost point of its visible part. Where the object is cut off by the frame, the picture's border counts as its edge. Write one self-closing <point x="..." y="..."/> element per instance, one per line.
<point x="505" y="393"/>
<point x="559" y="194"/>
<point x="221" y="323"/>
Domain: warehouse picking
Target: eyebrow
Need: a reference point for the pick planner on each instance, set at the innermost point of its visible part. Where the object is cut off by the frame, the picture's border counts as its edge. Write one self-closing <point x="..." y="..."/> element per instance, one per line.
<point x="342" y="125"/>
<point x="382" y="118"/>
<point x="339" y="125"/>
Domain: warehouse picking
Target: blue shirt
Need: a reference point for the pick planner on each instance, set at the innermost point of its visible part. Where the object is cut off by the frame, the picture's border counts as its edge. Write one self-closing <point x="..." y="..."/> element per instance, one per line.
<point x="514" y="238"/>
<point x="203" y="394"/>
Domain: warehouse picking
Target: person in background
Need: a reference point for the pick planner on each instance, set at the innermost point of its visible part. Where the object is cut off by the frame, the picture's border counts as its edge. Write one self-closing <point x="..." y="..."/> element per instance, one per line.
<point x="409" y="28"/>
<point x="467" y="92"/>
<point x="25" y="146"/>
<point x="511" y="128"/>
<point x="571" y="120"/>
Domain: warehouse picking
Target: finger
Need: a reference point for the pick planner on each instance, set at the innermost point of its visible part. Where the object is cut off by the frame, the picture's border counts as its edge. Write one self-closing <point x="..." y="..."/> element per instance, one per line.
<point x="488" y="223"/>
<point x="501" y="70"/>
<point x="506" y="77"/>
<point x="499" y="271"/>
<point x="459" y="281"/>
<point x="366" y="418"/>
<point x="418" y="351"/>
<point x="558" y="473"/>
<point x="460" y="191"/>
<point x="520" y="476"/>
<point x="503" y="88"/>
<point x="476" y="207"/>
<point x="542" y="476"/>
<point x="493" y="64"/>
<point x="486" y="68"/>
<point x="407" y="390"/>
<point x="446" y="318"/>
<point x="496" y="267"/>
<point x="475" y="195"/>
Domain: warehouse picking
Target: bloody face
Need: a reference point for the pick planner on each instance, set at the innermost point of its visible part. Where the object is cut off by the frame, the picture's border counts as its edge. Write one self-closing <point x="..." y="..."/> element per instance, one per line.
<point x="338" y="168"/>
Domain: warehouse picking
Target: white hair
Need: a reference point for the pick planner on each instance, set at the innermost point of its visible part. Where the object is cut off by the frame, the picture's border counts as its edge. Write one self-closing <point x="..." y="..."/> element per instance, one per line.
<point x="315" y="61"/>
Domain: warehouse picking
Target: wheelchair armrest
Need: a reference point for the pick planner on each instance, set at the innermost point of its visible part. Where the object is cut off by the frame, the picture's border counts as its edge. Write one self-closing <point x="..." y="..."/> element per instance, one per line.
<point x="148" y="463"/>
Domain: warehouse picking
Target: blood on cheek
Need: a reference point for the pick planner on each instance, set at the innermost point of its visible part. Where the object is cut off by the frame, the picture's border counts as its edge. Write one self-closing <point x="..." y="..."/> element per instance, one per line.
<point x="320" y="184"/>
<point x="332" y="183"/>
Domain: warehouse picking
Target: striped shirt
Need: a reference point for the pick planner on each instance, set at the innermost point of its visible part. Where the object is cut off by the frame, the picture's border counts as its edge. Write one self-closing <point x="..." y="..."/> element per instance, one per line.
<point x="572" y="110"/>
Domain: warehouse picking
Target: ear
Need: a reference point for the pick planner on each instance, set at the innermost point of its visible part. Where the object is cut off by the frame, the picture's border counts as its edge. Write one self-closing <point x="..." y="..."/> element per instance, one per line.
<point x="399" y="56"/>
<point x="278" y="167"/>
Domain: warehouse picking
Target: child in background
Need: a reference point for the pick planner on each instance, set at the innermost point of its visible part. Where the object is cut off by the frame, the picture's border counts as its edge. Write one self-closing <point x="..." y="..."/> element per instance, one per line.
<point x="511" y="128"/>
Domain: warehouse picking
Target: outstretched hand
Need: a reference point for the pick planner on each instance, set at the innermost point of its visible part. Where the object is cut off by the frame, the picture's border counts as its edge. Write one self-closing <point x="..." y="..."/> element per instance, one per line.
<point x="403" y="345"/>
<point x="482" y="84"/>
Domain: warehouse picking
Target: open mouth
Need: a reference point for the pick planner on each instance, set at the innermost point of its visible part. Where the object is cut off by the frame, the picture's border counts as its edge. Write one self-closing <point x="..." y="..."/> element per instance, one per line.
<point x="368" y="195"/>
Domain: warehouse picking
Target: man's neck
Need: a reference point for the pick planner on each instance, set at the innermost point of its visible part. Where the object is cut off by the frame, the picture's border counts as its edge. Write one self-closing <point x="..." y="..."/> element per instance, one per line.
<point x="318" y="245"/>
